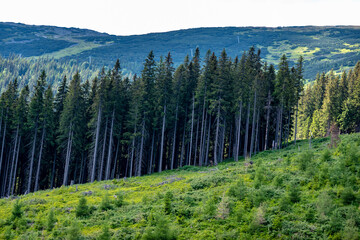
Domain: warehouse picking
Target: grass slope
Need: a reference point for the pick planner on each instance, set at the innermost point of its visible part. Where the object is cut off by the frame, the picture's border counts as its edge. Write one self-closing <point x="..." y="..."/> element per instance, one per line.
<point x="294" y="193"/>
<point x="323" y="48"/>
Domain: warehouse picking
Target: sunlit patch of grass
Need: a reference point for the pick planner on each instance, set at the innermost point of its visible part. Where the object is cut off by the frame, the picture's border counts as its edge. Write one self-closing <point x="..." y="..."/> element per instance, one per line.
<point x="73" y="50"/>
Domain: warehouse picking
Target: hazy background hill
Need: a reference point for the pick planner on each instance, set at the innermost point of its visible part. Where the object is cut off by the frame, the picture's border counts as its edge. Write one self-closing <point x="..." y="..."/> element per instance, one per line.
<point x="324" y="48"/>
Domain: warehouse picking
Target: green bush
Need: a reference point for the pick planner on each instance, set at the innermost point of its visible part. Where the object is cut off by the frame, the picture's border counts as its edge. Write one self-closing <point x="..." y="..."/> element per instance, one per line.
<point x="294" y="193"/>
<point x="119" y="201"/>
<point x="82" y="209"/>
<point x="105" y="203"/>
<point x="304" y="159"/>
<point x="74" y="232"/>
<point x="50" y="221"/>
<point x="105" y="234"/>
<point x="238" y="190"/>
<point x="162" y="230"/>
<point x="167" y="202"/>
<point x="16" y="211"/>
<point x="348" y="196"/>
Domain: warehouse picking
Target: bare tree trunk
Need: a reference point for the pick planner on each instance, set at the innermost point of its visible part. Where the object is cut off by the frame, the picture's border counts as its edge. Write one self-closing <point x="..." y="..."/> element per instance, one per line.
<point x="2" y="147"/>
<point x="174" y="138"/>
<point x="103" y="152"/>
<point x="296" y="118"/>
<point x="196" y="138"/>
<point x="13" y="160"/>
<point x="238" y="134"/>
<point x="107" y="173"/>
<point x="150" y="168"/>
<point x="277" y="127"/>
<point x="182" y="147"/>
<point x="247" y="131"/>
<point x="68" y="156"/>
<point x="32" y="158"/>
<point x="15" y="169"/>
<point x="132" y="149"/>
<point x="192" y="128"/>
<point x="222" y="142"/>
<point x="115" y="160"/>
<point x="93" y="170"/>
<point x="53" y="172"/>
<point x="268" y="108"/>
<point x="253" y="126"/>
<point x="230" y="141"/>
<point x="208" y="143"/>
<point x="141" y="148"/>
<point x="39" y="161"/>
<point x="201" y="150"/>
<point x="217" y="136"/>
<point x="256" y="132"/>
<point x="162" y="140"/>
<point x="280" y="120"/>
<point x="7" y="163"/>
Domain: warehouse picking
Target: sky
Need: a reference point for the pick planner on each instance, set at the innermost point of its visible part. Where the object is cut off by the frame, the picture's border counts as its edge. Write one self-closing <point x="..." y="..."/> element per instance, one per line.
<point x="128" y="17"/>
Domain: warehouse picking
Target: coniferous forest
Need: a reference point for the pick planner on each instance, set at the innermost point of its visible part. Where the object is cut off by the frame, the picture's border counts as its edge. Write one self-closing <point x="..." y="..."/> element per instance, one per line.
<point x="204" y="111"/>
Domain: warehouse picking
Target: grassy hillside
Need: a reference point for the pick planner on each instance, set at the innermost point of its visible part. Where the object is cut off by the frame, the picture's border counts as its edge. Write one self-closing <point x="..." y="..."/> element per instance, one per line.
<point x="294" y="193"/>
<point x="323" y="47"/>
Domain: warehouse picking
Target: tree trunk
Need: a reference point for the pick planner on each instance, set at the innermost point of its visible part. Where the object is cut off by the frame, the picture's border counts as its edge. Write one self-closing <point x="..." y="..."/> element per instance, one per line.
<point x="253" y="126"/>
<point x="132" y="150"/>
<point x="2" y="146"/>
<point x="238" y="134"/>
<point x="13" y="160"/>
<point x="103" y="152"/>
<point x="93" y="170"/>
<point x="201" y="150"/>
<point x="280" y="121"/>
<point x="53" y="172"/>
<point x="217" y="136"/>
<point x="107" y="173"/>
<point x="230" y="141"/>
<point x="192" y="128"/>
<point x="162" y="140"/>
<point x="141" y="148"/>
<point x="39" y="161"/>
<point x="222" y="142"/>
<point x="208" y="143"/>
<point x="150" y="168"/>
<point x="115" y="160"/>
<point x="196" y="138"/>
<point x="277" y="127"/>
<point x="32" y="158"/>
<point x="247" y="132"/>
<point x="174" y="139"/>
<point x="68" y="155"/>
<point x="268" y="108"/>
<point x="296" y="118"/>
<point x="256" y="132"/>
<point x="15" y="169"/>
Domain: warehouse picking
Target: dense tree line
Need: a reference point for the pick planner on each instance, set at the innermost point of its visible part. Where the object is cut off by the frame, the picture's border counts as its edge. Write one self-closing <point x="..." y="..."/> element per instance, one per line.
<point x="27" y="70"/>
<point x="197" y="114"/>
<point x="331" y="102"/>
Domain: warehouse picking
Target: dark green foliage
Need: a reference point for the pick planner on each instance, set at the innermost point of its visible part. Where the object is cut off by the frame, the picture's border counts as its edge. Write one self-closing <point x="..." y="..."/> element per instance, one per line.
<point x="119" y="200"/>
<point x="305" y="159"/>
<point x="82" y="209"/>
<point x="294" y="193"/>
<point x="105" y="234"/>
<point x="51" y="220"/>
<point x="106" y="203"/>
<point x="74" y="231"/>
<point x="159" y="229"/>
<point x="16" y="212"/>
<point x="348" y="196"/>
<point x="238" y="190"/>
<point x="167" y="202"/>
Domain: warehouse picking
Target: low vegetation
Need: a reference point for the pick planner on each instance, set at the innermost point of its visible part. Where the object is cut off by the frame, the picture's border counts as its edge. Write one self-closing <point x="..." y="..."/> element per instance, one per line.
<point x="299" y="192"/>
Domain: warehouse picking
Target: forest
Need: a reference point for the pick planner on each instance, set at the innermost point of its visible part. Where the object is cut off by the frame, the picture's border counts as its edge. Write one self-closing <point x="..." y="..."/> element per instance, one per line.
<point x="202" y="112"/>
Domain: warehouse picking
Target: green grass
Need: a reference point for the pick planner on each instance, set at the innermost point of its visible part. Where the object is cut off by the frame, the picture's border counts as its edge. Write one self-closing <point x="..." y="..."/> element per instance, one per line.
<point x="293" y="193"/>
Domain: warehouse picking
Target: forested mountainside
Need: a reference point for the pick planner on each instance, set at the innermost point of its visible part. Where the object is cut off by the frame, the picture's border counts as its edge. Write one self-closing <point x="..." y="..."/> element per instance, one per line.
<point x="27" y="71"/>
<point x="304" y="191"/>
<point x="323" y="48"/>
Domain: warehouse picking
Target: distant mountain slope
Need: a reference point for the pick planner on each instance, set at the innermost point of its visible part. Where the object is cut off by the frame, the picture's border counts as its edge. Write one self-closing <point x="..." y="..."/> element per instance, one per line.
<point x="336" y="47"/>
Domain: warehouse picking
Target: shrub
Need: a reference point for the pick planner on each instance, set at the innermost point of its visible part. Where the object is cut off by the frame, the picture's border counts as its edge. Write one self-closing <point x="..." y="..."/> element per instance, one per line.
<point x="167" y="202"/>
<point x="82" y="209"/>
<point x="294" y="193"/>
<point x="16" y="211"/>
<point x="223" y="209"/>
<point x="51" y="221"/>
<point x="161" y="231"/>
<point x="326" y="155"/>
<point x="105" y="234"/>
<point x="238" y="190"/>
<point x="210" y="206"/>
<point x="119" y="201"/>
<point x="348" y="196"/>
<point x="304" y="159"/>
<point x="74" y="232"/>
<point x="105" y="203"/>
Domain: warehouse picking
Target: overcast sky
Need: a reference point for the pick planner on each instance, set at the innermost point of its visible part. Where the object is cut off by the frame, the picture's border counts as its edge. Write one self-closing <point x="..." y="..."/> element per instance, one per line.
<point x="127" y="17"/>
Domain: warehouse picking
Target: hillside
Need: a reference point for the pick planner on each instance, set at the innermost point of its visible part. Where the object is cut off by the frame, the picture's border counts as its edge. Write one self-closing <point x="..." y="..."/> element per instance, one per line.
<point x="323" y="48"/>
<point x="294" y="193"/>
